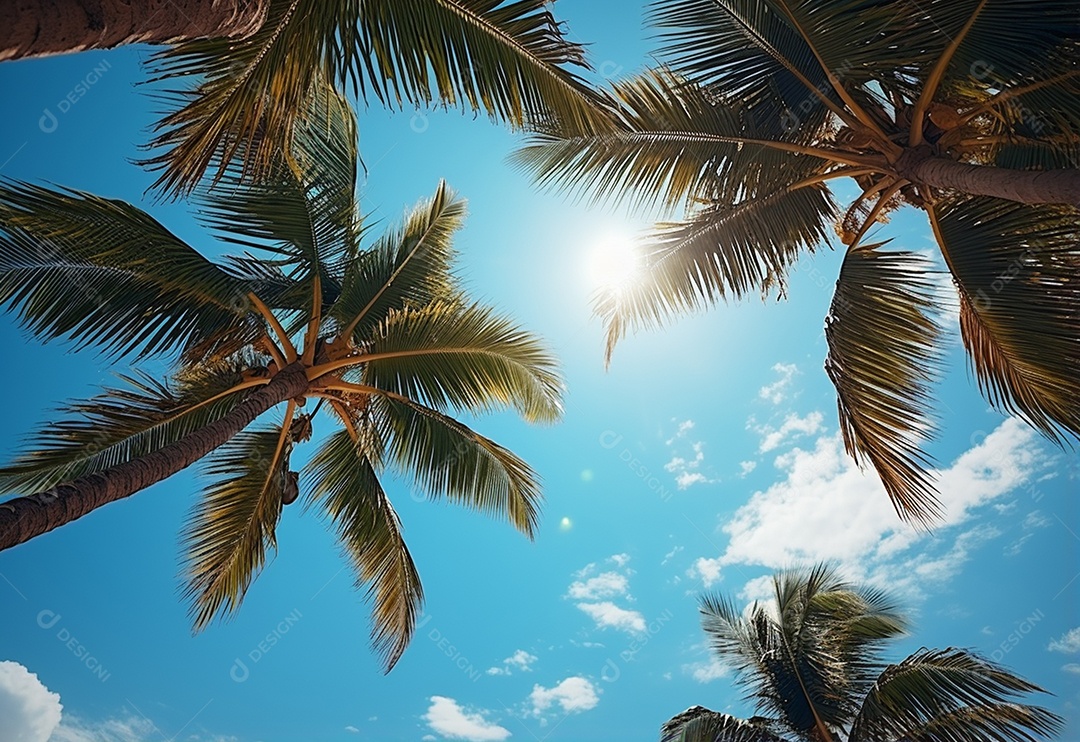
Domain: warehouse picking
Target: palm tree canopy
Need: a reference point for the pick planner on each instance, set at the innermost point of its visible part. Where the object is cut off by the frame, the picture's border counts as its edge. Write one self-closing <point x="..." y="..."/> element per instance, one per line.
<point x="958" y="108"/>
<point x="510" y="60"/>
<point x="811" y="661"/>
<point x="390" y="345"/>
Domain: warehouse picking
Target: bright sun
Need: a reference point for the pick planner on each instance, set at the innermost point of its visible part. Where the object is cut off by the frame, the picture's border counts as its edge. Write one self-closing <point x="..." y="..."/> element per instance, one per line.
<point x="613" y="263"/>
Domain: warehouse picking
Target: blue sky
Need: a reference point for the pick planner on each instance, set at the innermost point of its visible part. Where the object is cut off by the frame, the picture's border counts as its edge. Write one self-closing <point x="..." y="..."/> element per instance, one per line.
<point x="706" y="457"/>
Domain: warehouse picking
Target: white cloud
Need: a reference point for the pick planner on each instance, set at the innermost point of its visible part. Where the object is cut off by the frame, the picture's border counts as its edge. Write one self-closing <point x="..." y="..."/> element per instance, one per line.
<point x="448" y="719"/>
<point x="1072" y="667"/>
<point x="707" y="569"/>
<point x="29" y="712"/>
<point x="706" y="672"/>
<point x="792" y="427"/>
<point x="129" y="729"/>
<point x="573" y="695"/>
<point x="620" y="560"/>
<point x="671" y="555"/>
<point x="825" y="508"/>
<point x="604" y="585"/>
<point x="519" y="660"/>
<point x="687" y="471"/>
<point x="684" y="427"/>
<point x="1069" y="642"/>
<point x="608" y="615"/>
<point x="745" y="467"/>
<point x="351" y="729"/>
<point x="778" y="390"/>
<point x="759" y="589"/>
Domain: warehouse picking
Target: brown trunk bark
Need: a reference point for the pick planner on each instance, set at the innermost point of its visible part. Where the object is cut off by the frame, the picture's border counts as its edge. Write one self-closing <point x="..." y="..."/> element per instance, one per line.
<point x="23" y="518"/>
<point x="920" y="166"/>
<point x="32" y="28"/>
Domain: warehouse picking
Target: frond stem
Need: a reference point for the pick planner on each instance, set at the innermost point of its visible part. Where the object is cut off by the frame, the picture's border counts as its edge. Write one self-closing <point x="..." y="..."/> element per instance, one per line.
<point x="915" y="136"/>
<point x="286" y="344"/>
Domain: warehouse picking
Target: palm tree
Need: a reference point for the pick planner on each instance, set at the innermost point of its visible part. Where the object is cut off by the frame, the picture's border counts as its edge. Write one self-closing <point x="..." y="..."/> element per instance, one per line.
<point x="244" y="89"/>
<point x="966" y="109"/>
<point x="811" y="663"/>
<point x="383" y="338"/>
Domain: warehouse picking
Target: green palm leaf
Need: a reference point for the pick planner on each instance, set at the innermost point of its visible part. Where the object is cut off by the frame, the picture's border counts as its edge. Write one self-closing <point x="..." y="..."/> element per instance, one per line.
<point x="699" y="724"/>
<point x="1017" y="270"/>
<point x="304" y="212"/>
<point x="104" y="273"/>
<point x="506" y="59"/>
<point x="747" y="51"/>
<point x="410" y="266"/>
<point x="721" y="251"/>
<point x="673" y="143"/>
<point x="463" y="357"/>
<point x="234" y="524"/>
<point x="950" y="694"/>
<point x="447" y="459"/>
<point x="120" y="425"/>
<point x="345" y="487"/>
<point x="882" y="357"/>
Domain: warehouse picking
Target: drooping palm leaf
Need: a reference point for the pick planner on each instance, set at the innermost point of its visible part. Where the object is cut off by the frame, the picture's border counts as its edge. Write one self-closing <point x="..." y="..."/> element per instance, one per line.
<point x="883" y="355"/>
<point x="463" y="357"/>
<point x="104" y="273"/>
<point x="447" y="459"/>
<point x="673" y="143"/>
<point x="234" y="524"/>
<point x="951" y="694"/>
<point x="723" y="251"/>
<point x="345" y="487"/>
<point x="1017" y="271"/>
<point x="509" y="60"/>
<point x="699" y="724"/>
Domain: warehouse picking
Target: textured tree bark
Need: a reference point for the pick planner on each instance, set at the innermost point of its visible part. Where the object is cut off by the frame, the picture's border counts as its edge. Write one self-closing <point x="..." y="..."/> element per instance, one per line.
<point x="32" y="28"/>
<point x="1024" y="186"/>
<point x="23" y="518"/>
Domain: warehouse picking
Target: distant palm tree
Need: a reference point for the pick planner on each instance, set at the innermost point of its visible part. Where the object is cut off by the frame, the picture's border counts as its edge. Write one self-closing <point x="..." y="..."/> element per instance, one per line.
<point x="383" y="337"/>
<point x="249" y="84"/>
<point x="966" y="109"/>
<point x="811" y="663"/>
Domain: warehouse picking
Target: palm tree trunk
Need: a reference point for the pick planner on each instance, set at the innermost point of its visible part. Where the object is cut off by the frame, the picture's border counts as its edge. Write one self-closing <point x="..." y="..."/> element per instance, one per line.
<point x="920" y="166"/>
<point x="23" y="518"/>
<point x="31" y="28"/>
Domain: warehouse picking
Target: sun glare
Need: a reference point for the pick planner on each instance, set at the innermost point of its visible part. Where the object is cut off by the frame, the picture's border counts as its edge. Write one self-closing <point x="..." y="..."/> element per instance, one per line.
<point x="613" y="263"/>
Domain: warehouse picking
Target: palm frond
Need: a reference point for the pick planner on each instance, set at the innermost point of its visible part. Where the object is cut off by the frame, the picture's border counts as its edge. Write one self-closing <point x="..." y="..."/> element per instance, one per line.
<point x="723" y="250"/>
<point x="463" y="357"/>
<point x="104" y="273"/>
<point x="951" y="694"/>
<point x="673" y="143"/>
<point x="699" y="724"/>
<point x="747" y="51"/>
<point x="410" y="266"/>
<point x="1017" y="270"/>
<point x="304" y="212"/>
<point x="344" y="485"/>
<point x="234" y="524"/>
<point x="120" y="425"/>
<point x="509" y="60"/>
<point x="882" y="357"/>
<point x="447" y="459"/>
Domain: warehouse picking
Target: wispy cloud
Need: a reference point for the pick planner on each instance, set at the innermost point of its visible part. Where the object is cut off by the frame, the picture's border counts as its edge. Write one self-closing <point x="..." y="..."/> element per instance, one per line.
<point x="604" y="585"/>
<point x="793" y="427"/>
<point x="520" y="661"/>
<point x="779" y="390"/>
<point x="1069" y="642"/>
<point x="687" y="468"/>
